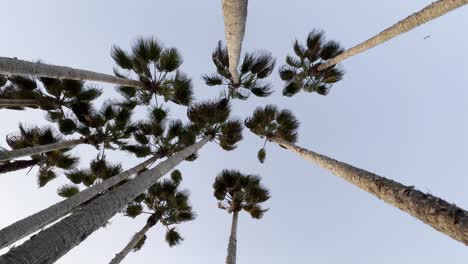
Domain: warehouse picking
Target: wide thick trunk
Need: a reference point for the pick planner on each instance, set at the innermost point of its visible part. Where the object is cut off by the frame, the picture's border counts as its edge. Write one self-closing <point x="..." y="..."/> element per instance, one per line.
<point x="235" y="17"/>
<point x="441" y="215"/>
<point x="32" y="223"/>
<point x="131" y="244"/>
<point x="232" y="246"/>
<point x="18" y="103"/>
<point x="16" y="165"/>
<point x="429" y="13"/>
<point x="12" y="66"/>
<point x="23" y="152"/>
<point x="49" y="245"/>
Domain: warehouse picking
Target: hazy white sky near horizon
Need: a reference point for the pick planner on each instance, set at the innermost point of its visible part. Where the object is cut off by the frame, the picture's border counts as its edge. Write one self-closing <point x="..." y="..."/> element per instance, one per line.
<point x="400" y="112"/>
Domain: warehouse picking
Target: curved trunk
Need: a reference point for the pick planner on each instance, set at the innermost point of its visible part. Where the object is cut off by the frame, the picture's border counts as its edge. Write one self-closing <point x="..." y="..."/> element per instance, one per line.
<point x="232" y="246"/>
<point x="441" y="215"/>
<point x="49" y="245"/>
<point x="23" y="152"/>
<point x="429" y="13"/>
<point x="10" y="66"/>
<point x="32" y="223"/>
<point x="18" y="103"/>
<point x="16" y="165"/>
<point x="235" y="17"/>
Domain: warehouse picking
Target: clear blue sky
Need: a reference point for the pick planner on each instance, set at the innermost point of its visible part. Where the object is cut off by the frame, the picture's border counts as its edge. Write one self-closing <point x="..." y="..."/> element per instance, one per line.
<point x="400" y="112"/>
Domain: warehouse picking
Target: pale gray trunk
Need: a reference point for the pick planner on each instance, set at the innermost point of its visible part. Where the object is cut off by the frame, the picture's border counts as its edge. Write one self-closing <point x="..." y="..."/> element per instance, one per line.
<point x="232" y="246"/>
<point x="33" y="223"/>
<point x="122" y="254"/>
<point x="442" y="216"/>
<point x="235" y="17"/>
<point x="18" y="153"/>
<point x="51" y="244"/>
<point x="10" y="66"/>
<point x="429" y="13"/>
<point x="18" y="103"/>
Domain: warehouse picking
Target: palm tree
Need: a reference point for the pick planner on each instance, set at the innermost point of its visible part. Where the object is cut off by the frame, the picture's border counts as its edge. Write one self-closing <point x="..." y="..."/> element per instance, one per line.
<point x="165" y="204"/>
<point x="301" y="71"/>
<point x="235" y="17"/>
<point x="47" y="162"/>
<point x="255" y="67"/>
<point x="236" y="192"/>
<point x="280" y="127"/>
<point x="209" y="119"/>
<point x="157" y="68"/>
<point x="430" y="12"/>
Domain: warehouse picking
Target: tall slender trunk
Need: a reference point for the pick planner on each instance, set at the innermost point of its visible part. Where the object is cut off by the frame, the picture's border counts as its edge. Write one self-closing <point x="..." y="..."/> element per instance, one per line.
<point x="17" y="165"/>
<point x="232" y="246"/>
<point x="32" y="223"/>
<point x="235" y="17"/>
<point x="135" y="239"/>
<point x="18" y="153"/>
<point x="25" y="68"/>
<point x="18" y="103"/>
<point x="441" y="215"/>
<point x="49" y="245"/>
<point x="429" y="13"/>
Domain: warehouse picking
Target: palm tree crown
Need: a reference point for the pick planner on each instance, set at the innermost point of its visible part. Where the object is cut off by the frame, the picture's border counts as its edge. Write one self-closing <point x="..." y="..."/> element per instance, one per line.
<point x="301" y="72"/>
<point x="158" y="68"/>
<point x="255" y="67"/>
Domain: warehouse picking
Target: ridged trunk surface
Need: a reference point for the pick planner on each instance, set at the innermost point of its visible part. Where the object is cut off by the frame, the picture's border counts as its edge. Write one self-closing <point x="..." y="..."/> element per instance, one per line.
<point x="235" y="17"/>
<point x="33" y="223"/>
<point x="10" y="66"/>
<point x="441" y="215"/>
<point x="232" y="245"/>
<point x="16" y="165"/>
<point x="51" y="244"/>
<point x="23" y="152"/>
<point x="429" y="13"/>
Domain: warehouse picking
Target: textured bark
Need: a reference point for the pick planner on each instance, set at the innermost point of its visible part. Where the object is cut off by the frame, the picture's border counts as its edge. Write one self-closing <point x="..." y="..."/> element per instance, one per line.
<point x="32" y="223"/>
<point x="11" y="66"/>
<point x="232" y="246"/>
<point x="49" y="245"/>
<point x="18" y="103"/>
<point x="137" y="237"/>
<point x="429" y="13"/>
<point x="16" y="165"/>
<point x="235" y="17"/>
<point x="441" y="215"/>
<point x="18" y="153"/>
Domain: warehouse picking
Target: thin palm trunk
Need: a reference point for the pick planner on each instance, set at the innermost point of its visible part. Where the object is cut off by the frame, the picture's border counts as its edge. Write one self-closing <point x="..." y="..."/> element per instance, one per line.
<point x="23" y="152"/>
<point x="442" y="216"/>
<point x="52" y="243"/>
<point x="33" y="223"/>
<point x="18" y="103"/>
<point x="12" y="66"/>
<point x="232" y="246"/>
<point x="235" y="17"/>
<point x="429" y="13"/>
<point x="131" y="244"/>
<point x="17" y="165"/>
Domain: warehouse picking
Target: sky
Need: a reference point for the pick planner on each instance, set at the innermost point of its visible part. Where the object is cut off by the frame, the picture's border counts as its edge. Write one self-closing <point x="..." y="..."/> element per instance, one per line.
<point x="400" y="112"/>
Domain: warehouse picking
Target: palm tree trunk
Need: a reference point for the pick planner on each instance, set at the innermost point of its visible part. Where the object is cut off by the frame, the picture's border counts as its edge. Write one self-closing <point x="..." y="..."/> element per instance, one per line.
<point x="429" y="13"/>
<point x="12" y="66"/>
<point x="49" y="245"/>
<point x="442" y="216"/>
<point x="18" y="153"/>
<point x="131" y="244"/>
<point x="232" y="246"/>
<point x="18" y="103"/>
<point x="17" y="165"/>
<point x="32" y="223"/>
<point x="235" y="17"/>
